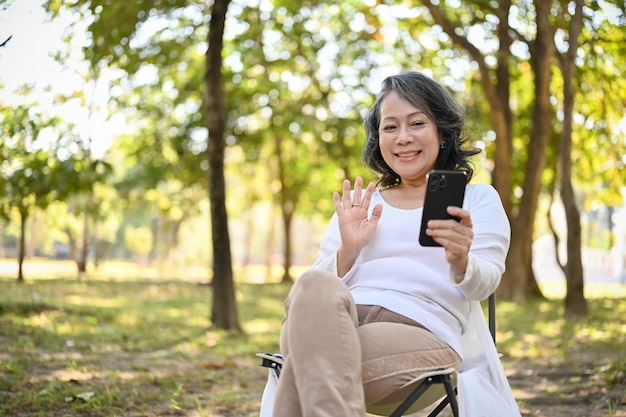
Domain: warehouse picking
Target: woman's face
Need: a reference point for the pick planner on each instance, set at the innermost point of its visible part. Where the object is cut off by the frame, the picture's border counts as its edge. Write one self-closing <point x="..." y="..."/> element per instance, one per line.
<point x="409" y="141"/>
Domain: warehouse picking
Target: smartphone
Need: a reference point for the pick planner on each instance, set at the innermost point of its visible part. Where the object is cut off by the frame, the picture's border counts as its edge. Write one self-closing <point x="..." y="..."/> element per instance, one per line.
<point x="444" y="189"/>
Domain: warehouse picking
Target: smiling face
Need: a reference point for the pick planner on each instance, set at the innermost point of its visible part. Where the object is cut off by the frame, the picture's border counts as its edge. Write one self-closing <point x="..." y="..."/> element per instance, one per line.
<point x="409" y="141"/>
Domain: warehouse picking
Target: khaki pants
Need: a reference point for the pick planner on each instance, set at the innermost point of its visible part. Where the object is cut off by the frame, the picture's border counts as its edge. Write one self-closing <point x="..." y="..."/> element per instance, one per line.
<point x="340" y="356"/>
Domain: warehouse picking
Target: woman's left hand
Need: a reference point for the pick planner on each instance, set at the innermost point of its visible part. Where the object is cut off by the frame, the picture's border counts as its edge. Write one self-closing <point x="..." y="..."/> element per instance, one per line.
<point x="455" y="237"/>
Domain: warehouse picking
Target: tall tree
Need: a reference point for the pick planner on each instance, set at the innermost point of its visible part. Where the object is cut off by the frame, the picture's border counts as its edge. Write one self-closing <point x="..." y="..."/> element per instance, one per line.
<point x="28" y="169"/>
<point x="224" y="310"/>
<point x="521" y="281"/>
<point x="575" y="302"/>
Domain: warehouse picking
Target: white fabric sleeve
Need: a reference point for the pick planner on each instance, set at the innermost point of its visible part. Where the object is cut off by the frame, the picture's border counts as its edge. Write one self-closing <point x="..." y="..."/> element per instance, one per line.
<point x="492" y="234"/>
<point x="327" y="254"/>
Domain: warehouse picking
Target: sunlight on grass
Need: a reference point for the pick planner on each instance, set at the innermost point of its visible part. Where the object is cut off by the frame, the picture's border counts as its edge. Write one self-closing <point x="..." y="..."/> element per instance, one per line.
<point x="95" y="302"/>
<point x="556" y="289"/>
<point x="538" y="330"/>
<point x="261" y="326"/>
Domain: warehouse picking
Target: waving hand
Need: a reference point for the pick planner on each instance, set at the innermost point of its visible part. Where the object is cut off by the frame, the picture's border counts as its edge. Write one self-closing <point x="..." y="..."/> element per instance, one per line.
<point x="355" y="228"/>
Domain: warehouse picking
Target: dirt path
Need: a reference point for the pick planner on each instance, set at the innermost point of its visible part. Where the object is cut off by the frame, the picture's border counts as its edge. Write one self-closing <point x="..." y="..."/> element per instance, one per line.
<point x="573" y="389"/>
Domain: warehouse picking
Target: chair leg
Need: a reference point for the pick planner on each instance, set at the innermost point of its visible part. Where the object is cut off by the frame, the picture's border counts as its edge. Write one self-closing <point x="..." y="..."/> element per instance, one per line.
<point x="435" y="412"/>
<point x="398" y="412"/>
<point x="450" y="398"/>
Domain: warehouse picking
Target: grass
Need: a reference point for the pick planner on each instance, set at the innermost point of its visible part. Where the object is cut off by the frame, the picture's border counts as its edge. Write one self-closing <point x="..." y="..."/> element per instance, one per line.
<point x="144" y="347"/>
<point x="538" y="330"/>
<point x="130" y="348"/>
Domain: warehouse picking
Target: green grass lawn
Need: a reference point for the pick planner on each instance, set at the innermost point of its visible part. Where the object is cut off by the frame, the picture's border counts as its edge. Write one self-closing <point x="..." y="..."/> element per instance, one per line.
<point x="106" y="348"/>
<point x="100" y="347"/>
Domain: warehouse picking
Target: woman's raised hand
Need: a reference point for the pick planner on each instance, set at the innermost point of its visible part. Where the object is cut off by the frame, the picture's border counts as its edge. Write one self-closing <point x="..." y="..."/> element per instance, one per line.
<point x="355" y="228"/>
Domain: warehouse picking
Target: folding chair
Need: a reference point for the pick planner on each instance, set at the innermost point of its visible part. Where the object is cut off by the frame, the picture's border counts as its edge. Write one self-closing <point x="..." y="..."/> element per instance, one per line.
<point x="415" y="395"/>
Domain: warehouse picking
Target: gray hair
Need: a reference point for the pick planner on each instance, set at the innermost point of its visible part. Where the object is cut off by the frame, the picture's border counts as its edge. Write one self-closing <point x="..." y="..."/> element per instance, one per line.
<point x="439" y="105"/>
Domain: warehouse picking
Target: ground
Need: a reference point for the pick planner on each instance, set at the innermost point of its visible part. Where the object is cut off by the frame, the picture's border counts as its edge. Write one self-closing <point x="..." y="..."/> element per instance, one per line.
<point x="576" y="388"/>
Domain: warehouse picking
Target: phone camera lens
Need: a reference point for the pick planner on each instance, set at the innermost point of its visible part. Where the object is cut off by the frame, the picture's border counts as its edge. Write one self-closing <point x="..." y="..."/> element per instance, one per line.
<point x="434" y="180"/>
<point x="443" y="182"/>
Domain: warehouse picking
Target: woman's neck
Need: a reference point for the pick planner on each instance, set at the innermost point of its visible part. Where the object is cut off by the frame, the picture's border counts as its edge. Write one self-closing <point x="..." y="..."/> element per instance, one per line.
<point x="405" y="196"/>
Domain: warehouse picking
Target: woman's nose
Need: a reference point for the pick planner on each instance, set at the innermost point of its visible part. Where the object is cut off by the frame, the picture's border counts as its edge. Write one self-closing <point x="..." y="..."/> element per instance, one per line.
<point x="404" y="136"/>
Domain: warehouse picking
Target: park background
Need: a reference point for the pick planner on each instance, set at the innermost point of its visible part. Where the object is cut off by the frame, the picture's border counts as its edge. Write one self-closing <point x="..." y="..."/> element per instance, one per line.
<point x="164" y="182"/>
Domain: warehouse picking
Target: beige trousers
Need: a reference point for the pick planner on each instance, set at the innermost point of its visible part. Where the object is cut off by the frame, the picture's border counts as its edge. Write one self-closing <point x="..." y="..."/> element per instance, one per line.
<point x="340" y="356"/>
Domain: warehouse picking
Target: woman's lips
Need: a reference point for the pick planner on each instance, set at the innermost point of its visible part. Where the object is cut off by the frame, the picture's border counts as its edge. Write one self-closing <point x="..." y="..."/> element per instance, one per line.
<point x="408" y="155"/>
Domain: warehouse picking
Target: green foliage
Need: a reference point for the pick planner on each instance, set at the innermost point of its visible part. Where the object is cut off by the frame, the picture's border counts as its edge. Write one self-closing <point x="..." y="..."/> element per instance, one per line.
<point x="28" y="169"/>
<point x="138" y="240"/>
<point x="305" y="121"/>
<point x="298" y="77"/>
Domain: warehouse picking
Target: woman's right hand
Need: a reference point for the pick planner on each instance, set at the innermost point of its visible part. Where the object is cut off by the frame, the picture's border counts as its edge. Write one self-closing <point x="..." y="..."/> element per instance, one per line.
<point x="355" y="228"/>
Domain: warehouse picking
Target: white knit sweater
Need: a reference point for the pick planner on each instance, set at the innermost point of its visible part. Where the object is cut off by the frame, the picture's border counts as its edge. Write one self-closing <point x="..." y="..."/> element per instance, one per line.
<point x="394" y="271"/>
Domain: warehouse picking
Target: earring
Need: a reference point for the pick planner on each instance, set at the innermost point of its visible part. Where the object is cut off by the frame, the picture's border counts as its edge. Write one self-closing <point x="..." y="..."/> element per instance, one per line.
<point x="443" y="145"/>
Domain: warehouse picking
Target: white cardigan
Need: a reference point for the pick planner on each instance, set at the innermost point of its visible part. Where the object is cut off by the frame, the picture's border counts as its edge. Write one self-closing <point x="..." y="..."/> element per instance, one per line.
<point x="395" y="272"/>
<point x="483" y="390"/>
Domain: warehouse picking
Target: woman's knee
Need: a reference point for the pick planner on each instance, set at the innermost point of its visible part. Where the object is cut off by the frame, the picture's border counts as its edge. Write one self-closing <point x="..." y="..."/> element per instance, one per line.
<point x="322" y="295"/>
<point x="319" y="285"/>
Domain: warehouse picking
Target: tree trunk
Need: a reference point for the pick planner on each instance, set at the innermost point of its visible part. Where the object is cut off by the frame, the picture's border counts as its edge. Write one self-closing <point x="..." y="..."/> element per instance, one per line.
<point x="287" y="222"/>
<point x="22" y="245"/>
<point x="520" y="275"/>
<point x="500" y="113"/>
<point x="269" y="243"/>
<point x="575" y="302"/>
<point x="155" y="223"/>
<point x="224" y="309"/>
<point x="287" y="208"/>
<point x="97" y="245"/>
<point x="84" y="250"/>
<point x="2" y="254"/>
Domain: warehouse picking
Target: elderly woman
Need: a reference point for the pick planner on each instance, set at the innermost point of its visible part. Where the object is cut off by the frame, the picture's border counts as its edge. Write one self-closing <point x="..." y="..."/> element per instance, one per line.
<point x="377" y="309"/>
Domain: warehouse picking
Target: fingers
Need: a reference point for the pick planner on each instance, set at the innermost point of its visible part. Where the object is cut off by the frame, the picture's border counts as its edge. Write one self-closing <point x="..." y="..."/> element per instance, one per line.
<point x="337" y="203"/>
<point x="345" y="198"/>
<point x="356" y="198"/>
<point x="455" y="236"/>
<point x="367" y="197"/>
<point x="462" y="215"/>
<point x="377" y="211"/>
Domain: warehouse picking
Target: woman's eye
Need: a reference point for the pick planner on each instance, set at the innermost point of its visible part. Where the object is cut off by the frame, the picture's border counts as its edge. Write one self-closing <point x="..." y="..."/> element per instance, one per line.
<point x="388" y="128"/>
<point x="417" y="123"/>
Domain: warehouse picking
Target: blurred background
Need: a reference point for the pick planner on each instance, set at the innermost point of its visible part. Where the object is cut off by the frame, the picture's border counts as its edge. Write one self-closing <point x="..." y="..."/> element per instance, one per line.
<point x="107" y="111"/>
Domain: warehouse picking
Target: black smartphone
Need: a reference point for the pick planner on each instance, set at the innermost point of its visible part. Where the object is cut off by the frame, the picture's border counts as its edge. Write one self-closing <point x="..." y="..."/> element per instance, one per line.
<point x="444" y="189"/>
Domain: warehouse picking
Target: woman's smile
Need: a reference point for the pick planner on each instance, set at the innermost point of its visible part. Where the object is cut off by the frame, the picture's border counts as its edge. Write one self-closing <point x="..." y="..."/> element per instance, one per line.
<point x="408" y="156"/>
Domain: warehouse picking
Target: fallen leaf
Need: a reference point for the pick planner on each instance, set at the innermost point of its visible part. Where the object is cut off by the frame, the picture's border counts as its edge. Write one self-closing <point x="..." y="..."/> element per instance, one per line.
<point x="85" y="396"/>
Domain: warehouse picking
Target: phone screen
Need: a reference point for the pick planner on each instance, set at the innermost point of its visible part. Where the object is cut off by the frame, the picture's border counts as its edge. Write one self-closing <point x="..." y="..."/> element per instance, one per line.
<point x="444" y="189"/>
